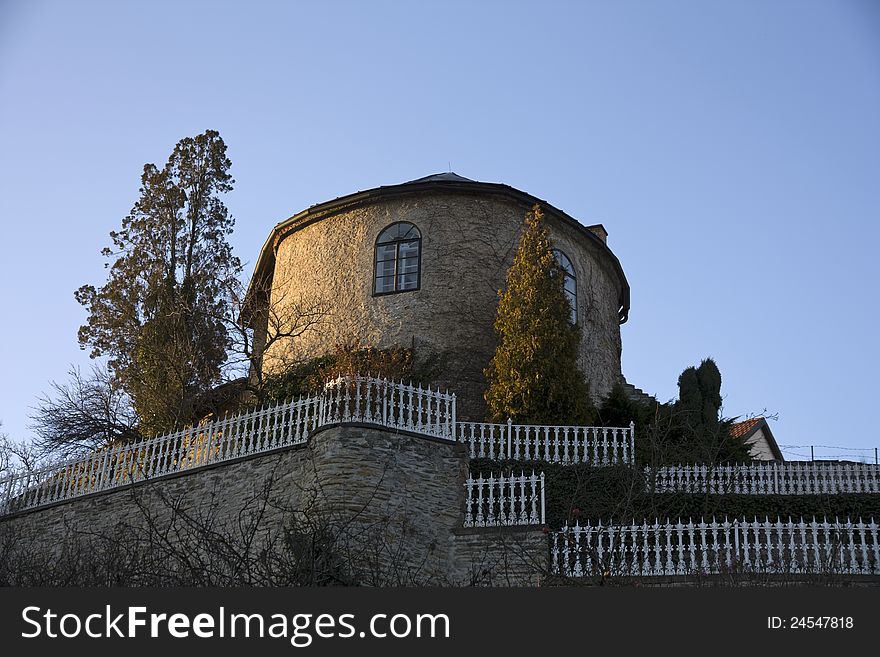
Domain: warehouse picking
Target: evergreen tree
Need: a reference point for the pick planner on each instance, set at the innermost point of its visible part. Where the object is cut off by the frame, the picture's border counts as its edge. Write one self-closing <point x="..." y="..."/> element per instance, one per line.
<point x="699" y="395"/>
<point x="704" y="436"/>
<point x="533" y="376"/>
<point x="160" y="317"/>
<point x="618" y="410"/>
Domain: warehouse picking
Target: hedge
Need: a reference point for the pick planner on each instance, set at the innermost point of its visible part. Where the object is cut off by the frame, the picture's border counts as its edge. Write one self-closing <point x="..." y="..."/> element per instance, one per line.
<point x="617" y="493"/>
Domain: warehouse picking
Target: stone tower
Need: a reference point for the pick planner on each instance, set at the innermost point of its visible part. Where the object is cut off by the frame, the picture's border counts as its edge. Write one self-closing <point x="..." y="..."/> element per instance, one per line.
<point x="419" y="265"/>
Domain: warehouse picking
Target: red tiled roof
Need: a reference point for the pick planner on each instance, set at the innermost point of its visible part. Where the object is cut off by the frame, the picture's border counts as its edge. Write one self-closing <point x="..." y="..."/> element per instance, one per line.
<point x="742" y="428"/>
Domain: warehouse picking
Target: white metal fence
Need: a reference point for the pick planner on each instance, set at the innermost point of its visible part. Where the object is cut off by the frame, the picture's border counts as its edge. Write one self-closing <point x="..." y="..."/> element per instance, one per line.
<point x="386" y="403"/>
<point x="738" y="546"/>
<point x="248" y="433"/>
<point x="348" y="399"/>
<point x="789" y="478"/>
<point x="504" y="500"/>
<point x="556" y="444"/>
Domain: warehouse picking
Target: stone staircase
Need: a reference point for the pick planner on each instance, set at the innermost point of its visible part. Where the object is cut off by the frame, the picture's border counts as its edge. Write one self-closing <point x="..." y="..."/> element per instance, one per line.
<point x="637" y="394"/>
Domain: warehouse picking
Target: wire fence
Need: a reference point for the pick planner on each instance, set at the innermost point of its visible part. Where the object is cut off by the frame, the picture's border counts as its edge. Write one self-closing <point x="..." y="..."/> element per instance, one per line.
<point x="831" y="453"/>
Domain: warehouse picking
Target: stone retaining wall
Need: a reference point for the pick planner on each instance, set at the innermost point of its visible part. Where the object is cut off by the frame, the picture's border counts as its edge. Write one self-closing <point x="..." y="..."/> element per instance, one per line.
<point x="355" y="505"/>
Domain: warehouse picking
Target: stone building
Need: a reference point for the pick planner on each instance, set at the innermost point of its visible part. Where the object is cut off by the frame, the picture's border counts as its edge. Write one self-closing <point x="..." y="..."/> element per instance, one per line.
<point x="382" y="483"/>
<point x="419" y="265"/>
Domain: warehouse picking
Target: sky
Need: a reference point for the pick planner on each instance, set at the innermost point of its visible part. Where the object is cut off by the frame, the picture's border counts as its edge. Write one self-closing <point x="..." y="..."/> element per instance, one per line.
<point x="731" y="150"/>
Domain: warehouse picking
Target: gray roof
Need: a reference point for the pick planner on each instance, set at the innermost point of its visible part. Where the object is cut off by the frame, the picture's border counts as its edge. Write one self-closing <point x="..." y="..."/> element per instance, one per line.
<point x="449" y="175"/>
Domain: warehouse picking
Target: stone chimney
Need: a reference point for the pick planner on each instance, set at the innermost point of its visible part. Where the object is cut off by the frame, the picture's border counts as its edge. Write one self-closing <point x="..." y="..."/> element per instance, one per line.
<point x="599" y="231"/>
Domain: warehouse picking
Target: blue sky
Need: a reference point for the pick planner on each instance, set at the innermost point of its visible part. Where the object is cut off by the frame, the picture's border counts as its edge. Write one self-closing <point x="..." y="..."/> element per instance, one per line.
<point x="732" y="150"/>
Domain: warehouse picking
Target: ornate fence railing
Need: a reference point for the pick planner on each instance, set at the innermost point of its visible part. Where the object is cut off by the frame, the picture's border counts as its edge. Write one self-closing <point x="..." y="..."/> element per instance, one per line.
<point x="386" y="403"/>
<point x="556" y="444"/>
<point x="789" y="478"/>
<point x="726" y="547"/>
<point x="495" y="501"/>
<point x="259" y="430"/>
<point x="347" y="399"/>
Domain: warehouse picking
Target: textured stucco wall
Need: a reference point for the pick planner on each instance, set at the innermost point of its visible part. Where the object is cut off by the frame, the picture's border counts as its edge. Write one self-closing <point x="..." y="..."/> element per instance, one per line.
<point x="468" y="243"/>
<point x="396" y="502"/>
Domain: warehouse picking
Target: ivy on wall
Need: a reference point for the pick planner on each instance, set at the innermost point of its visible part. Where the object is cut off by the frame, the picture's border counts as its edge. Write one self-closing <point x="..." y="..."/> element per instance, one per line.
<point x="308" y="377"/>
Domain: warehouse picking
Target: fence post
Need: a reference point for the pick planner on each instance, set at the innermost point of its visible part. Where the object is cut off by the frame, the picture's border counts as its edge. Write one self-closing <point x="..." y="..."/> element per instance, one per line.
<point x="509" y="436"/>
<point x="632" y="443"/>
<point x="384" y="402"/>
<point x="454" y="420"/>
<point x="468" y="505"/>
<point x="542" y="498"/>
<point x="736" y="541"/>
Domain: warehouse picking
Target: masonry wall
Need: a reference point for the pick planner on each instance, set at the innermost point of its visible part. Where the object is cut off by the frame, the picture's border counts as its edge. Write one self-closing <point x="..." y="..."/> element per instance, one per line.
<point x="367" y="505"/>
<point x="468" y="244"/>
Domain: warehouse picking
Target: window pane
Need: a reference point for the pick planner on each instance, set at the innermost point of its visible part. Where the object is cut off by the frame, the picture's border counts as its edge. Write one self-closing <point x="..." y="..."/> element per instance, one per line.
<point x="408" y="265"/>
<point x="407" y="281"/>
<point x="386" y="252"/>
<point x="389" y="234"/>
<point x="385" y="268"/>
<point x="572" y="302"/>
<point x="570" y="286"/>
<point x="563" y="261"/>
<point x="409" y="249"/>
<point x="385" y="283"/>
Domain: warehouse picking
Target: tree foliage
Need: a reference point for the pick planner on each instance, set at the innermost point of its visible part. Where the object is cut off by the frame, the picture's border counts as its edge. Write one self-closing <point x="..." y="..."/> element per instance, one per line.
<point x="618" y="410"/>
<point x="700" y="431"/>
<point x="534" y="375"/>
<point x="699" y="393"/>
<point x="161" y="316"/>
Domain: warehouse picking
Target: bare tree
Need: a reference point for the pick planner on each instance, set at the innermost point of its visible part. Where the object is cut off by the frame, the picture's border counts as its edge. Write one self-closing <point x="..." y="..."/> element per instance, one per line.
<point x="86" y="413"/>
<point x="269" y="317"/>
<point x="15" y="456"/>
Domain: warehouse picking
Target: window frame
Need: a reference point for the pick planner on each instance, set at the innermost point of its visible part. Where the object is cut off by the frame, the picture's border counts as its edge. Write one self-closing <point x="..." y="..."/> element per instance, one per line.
<point x="566" y="274"/>
<point x="397" y="243"/>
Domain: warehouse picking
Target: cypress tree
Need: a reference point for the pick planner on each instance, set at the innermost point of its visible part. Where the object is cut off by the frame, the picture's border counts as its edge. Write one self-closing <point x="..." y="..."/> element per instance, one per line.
<point x="534" y="378"/>
<point x="699" y="395"/>
<point x="703" y="434"/>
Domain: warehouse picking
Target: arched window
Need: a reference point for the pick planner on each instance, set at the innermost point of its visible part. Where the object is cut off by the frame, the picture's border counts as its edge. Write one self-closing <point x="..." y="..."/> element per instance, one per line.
<point x="398" y="259"/>
<point x="569" y="282"/>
